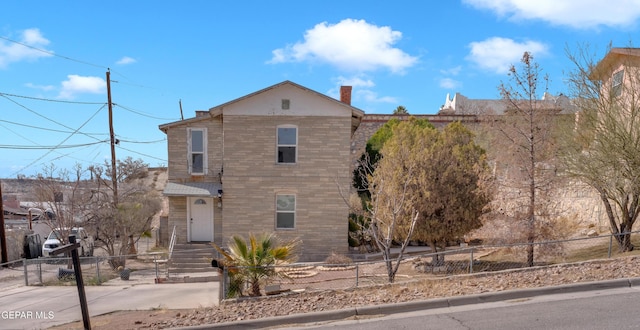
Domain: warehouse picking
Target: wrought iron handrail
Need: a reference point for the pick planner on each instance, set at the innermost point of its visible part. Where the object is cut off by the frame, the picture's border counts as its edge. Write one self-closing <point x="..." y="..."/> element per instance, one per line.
<point x="172" y="242"/>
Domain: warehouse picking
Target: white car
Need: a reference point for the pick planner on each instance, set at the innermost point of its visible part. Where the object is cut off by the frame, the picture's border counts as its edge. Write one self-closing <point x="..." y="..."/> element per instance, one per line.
<point x="53" y="241"/>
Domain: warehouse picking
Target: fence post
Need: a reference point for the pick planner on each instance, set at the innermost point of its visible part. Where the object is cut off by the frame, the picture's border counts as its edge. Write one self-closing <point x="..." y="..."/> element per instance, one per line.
<point x="98" y="270"/>
<point x="223" y="284"/>
<point x="357" y="275"/>
<point x="471" y="263"/>
<point x="40" y="272"/>
<point x="26" y="274"/>
<point x="155" y="262"/>
<point x="610" y="245"/>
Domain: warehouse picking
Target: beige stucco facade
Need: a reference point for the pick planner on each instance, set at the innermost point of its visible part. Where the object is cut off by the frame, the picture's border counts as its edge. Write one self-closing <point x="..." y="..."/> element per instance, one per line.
<point x="242" y="166"/>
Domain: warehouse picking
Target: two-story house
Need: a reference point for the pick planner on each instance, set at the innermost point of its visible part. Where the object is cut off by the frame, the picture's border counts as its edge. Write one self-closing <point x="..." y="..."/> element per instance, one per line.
<point x="276" y="160"/>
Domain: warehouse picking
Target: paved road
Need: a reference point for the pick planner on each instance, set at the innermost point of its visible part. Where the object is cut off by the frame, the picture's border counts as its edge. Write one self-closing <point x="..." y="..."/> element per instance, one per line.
<point x="328" y="319"/>
<point x="604" y="309"/>
<point x="42" y="307"/>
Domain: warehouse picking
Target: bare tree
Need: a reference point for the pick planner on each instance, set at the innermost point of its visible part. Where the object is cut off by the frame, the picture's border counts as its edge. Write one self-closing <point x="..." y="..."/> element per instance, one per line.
<point x="119" y="227"/>
<point x="603" y="146"/>
<point x="525" y="143"/>
<point x="391" y="210"/>
<point x="62" y="196"/>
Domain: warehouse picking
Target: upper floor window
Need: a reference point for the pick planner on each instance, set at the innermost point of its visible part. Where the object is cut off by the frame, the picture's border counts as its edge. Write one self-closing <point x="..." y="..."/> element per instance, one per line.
<point x="197" y="150"/>
<point x="285" y="211"/>
<point x="287" y="144"/>
<point x="616" y="83"/>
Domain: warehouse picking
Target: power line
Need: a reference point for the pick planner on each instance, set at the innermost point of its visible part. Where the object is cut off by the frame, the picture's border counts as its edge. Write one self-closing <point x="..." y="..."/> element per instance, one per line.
<point x="46" y="129"/>
<point x="143" y="142"/>
<point x="142" y="114"/>
<point x="25" y="147"/>
<point x="139" y="153"/>
<point x="51" y="120"/>
<point x="48" y="100"/>
<point x="35" y="143"/>
<point x="63" y="141"/>
<point x="53" y="54"/>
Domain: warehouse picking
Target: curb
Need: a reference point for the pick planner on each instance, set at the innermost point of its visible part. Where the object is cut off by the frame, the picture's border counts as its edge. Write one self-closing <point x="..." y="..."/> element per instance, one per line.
<point x="413" y="306"/>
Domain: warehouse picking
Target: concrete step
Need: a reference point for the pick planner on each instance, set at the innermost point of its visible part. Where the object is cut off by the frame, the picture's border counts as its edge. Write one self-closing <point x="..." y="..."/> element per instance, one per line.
<point x="189" y="278"/>
<point x="193" y="258"/>
<point x="176" y="265"/>
<point x="193" y="246"/>
<point x="182" y="270"/>
<point x="190" y="258"/>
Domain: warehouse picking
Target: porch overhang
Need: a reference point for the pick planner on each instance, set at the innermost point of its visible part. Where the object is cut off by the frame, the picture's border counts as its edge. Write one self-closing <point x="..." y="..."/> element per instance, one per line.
<point x="192" y="189"/>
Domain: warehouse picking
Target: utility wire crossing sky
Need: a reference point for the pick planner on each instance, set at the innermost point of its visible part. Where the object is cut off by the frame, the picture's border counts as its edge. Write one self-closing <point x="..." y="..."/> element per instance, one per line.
<point x="168" y="59"/>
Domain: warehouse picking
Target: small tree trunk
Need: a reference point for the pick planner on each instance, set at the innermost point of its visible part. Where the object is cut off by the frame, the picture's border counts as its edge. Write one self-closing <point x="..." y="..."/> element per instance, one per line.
<point x="530" y="240"/>
<point x="437" y="259"/>
<point x="624" y="238"/>
<point x="386" y="254"/>
<point x="133" y="254"/>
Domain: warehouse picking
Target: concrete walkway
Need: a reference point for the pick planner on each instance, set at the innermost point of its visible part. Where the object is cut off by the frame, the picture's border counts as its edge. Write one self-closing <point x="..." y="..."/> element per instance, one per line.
<point x="35" y="307"/>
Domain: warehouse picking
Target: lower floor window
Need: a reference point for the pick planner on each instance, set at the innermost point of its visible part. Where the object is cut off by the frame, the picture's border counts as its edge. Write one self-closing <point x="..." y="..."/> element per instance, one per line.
<point x="285" y="211"/>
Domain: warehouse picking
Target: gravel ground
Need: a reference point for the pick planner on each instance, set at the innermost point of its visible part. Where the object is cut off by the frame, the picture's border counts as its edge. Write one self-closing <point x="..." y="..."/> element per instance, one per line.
<point x="294" y="303"/>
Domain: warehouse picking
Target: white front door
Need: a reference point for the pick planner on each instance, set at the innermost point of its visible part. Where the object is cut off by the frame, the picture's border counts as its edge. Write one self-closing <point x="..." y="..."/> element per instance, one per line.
<point x="201" y="219"/>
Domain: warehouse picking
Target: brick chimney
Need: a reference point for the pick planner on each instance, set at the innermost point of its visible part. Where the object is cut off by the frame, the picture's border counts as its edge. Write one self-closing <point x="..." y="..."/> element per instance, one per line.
<point x="345" y="94"/>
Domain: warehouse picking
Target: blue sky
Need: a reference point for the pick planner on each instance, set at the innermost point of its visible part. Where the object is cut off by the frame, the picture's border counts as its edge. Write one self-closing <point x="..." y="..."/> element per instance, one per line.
<point x="54" y="56"/>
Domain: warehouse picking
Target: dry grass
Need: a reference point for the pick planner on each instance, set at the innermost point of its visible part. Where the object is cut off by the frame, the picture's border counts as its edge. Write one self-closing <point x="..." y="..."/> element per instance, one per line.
<point x="601" y="251"/>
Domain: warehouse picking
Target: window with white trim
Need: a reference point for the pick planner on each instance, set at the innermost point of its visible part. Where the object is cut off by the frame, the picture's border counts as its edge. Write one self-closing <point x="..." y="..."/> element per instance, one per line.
<point x="287" y="141"/>
<point x="616" y="83"/>
<point x="197" y="141"/>
<point x="285" y="211"/>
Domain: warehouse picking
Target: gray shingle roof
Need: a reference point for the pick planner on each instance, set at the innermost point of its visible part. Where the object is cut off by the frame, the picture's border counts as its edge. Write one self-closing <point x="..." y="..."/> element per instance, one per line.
<point x="202" y="189"/>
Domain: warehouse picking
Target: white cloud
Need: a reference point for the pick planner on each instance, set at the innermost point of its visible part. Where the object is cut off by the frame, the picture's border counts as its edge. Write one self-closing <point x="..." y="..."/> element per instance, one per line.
<point x="351" y="45"/>
<point x="29" y="46"/>
<point x="373" y="97"/>
<point x="358" y="81"/>
<point x="80" y="85"/>
<point x="448" y="83"/>
<point x="452" y="71"/>
<point x="362" y="90"/>
<point x="126" y="60"/>
<point x="45" y="88"/>
<point x="498" y="54"/>
<point x="580" y="14"/>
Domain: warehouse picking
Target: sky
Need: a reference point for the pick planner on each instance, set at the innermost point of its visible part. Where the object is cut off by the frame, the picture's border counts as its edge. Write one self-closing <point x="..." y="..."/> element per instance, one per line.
<point x="167" y="59"/>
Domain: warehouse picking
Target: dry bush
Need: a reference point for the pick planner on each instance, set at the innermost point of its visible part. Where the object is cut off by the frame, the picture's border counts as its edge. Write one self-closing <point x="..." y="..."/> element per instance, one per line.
<point x="338" y="259"/>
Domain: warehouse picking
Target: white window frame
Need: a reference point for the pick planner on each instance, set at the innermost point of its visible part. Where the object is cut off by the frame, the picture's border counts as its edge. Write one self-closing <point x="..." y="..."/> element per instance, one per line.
<point x="191" y="153"/>
<point x="617" y="80"/>
<point x="284" y="145"/>
<point x="286" y="211"/>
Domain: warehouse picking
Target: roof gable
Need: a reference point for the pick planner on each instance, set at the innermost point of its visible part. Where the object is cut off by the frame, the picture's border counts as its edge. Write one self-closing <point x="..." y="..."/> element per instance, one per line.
<point x="303" y="102"/>
<point x="614" y="58"/>
<point x="268" y="102"/>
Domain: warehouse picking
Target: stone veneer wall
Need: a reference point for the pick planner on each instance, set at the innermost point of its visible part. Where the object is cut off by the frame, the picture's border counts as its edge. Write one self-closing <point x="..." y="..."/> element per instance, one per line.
<point x="252" y="179"/>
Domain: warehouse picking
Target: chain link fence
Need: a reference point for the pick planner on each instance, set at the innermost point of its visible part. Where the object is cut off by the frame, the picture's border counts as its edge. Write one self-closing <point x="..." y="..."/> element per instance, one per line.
<point x="421" y="265"/>
<point x="417" y="263"/>
<point x="96" y="270"/>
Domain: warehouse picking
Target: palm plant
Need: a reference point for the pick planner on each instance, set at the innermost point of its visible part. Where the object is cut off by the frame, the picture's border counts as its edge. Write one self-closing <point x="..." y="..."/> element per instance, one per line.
<point x="252" y="261"/>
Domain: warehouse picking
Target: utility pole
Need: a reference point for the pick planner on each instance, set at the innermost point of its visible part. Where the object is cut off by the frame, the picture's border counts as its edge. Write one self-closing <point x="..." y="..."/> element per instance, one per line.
<point x="3" y="236"/>
<point x="114" y="177"/>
